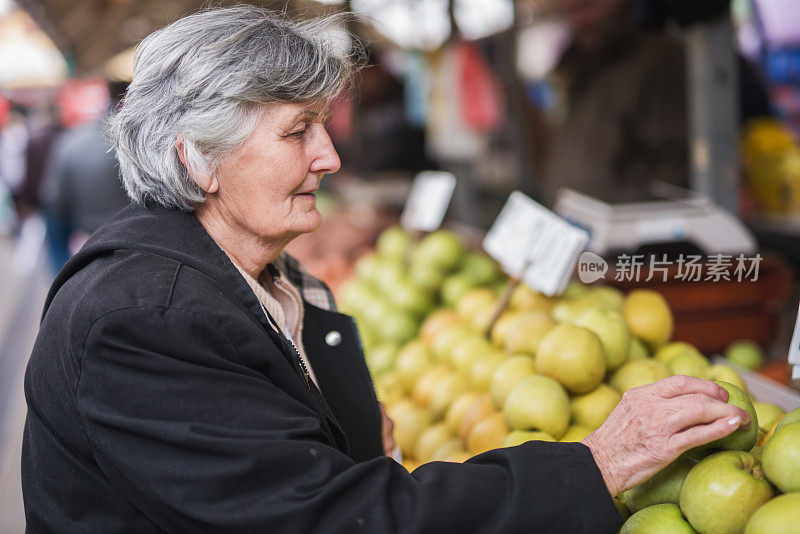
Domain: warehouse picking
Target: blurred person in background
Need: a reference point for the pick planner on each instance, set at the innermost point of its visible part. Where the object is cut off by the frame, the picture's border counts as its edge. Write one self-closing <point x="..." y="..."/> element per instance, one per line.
<point x="189" y="376"/>
<point x="45" y="128"/>
<point x="622" y="119"/>
<point x="82" y="188"/>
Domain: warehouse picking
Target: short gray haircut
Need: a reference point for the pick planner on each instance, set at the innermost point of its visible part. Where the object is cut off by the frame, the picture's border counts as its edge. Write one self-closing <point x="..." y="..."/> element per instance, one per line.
<point x="208" y="77"/>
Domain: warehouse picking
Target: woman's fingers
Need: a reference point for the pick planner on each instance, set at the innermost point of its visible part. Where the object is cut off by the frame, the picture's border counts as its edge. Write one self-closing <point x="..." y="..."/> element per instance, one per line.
<point x="702" y="434"/>
<point x="678" y="385"/>
<point x="695" y="409"/>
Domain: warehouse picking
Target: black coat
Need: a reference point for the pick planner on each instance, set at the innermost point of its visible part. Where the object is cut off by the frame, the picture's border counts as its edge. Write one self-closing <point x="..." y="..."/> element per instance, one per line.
<point x="160" y="400"/>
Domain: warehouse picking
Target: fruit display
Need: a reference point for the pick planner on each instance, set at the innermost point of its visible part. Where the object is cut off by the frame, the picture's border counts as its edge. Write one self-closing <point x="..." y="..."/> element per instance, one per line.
<point x="459" y="376"/>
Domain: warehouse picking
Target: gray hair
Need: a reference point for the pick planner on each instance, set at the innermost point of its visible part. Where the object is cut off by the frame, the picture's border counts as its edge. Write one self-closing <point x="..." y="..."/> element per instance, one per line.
<point x="208" y="77"/>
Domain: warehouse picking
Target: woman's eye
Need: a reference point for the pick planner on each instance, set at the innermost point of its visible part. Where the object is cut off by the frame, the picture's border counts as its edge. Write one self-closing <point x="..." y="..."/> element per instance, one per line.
<point x="298" y="134"/>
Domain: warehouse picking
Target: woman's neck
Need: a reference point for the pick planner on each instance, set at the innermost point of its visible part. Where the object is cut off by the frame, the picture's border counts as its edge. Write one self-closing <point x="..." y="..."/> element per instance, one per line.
<point x="249" y="252"/>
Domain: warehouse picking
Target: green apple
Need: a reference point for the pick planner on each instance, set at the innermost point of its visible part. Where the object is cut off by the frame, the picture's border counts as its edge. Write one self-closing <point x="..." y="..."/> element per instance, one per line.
<point x="454" y="287"/>
<point x="745" y="353"/>
<point x="780" y="515"/>
<point x="481" y="372"/>
<point x="354" y="293"/>
<point x="593" y="408"/>
<point x="446" y="391"/>
<point x="367" y="266"/>
<point x="726" y="373"/>
<point x="575" y="433"/>
<point x="506" y="376"/>
<point x="567" y="310"/>
<point x="614" y="334"/>
<point x="409" y="422"/>
<point x="442" y="250"/>
<point x="412" y="360"/>
<point x="790" y="417"/>
<point x="474" y="301"/>
<point x="481" y="268"/>
<point x="395" y="326"/>
<point x="758" y="452"/>
<point x="722" y="492"/>
<point x="538" y="403"/>
<point x="393" y="244"/>
<point x="741" y="439"/>
<point x="410" y="298"/>
<point x="637" y="373"/>
<point x="502" y="326"/>
<point x="637" y="350"/>
<point x="673" y="349"/>
<point x="689" y="364"/>
<point x="430" y="440"/>
<point x="443" y="341"/>
<point x="389" y="275"/>
<point x="523" y="298"/>
<point x="429" y="280"/>
<point x="527" y="332"/>
<point x="767" y="414"/>
<point x="782" y="457"/>
<point x="572" y="355"/>
<point x="610" y="298"/>
<point x="663" y="487"/>
<point x="575" y="289"/>
<point x="469" y="350"/>
<point x="658" y="519"/>
<point x="518" y="437"/>
<point x="389" y="388"/>
<point x="381" y="358"/>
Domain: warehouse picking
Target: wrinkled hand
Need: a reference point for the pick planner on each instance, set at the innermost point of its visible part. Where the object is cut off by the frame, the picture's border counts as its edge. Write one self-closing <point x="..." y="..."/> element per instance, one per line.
<point x="387" y="429"/>
<point x="653" y="424"/>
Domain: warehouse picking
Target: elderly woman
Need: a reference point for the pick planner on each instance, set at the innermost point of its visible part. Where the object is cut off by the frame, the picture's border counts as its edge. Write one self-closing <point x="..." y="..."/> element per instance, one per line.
<point x="190" y="377"/>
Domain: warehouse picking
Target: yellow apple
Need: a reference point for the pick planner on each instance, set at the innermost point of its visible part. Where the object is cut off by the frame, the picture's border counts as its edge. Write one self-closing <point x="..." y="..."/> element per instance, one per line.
<point x="649" y="317"/>
<point x="575" y="433"/>
<point x="506" y="376"/>
<point x="638" y="373"/>
<point x="487" y="434"/>
<point x="527" y="332"/>
<point x="593" y="408"/>
<point x="538" y="403"/>
<point x="574" y="356"/>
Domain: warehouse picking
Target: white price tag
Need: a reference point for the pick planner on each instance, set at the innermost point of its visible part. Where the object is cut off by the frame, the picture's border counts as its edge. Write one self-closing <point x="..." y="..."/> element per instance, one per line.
<point x="428" y="201"/>
<point x="526" y="232"/>
<point x="794" y="349"/>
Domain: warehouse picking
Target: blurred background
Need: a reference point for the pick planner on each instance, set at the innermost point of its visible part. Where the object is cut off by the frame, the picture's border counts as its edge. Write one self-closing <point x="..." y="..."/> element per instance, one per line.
<point x="633" y="108"/>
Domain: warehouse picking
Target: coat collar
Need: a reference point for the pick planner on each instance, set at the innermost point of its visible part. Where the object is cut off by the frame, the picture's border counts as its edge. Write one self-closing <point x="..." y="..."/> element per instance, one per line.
<point x="171" y="233"/>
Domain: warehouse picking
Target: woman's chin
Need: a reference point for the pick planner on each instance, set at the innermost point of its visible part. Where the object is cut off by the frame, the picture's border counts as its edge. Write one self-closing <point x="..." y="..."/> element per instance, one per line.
<point x="309" y="222"/>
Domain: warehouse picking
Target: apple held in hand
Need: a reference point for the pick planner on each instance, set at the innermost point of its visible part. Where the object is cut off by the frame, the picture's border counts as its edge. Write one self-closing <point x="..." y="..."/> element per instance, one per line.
<point x="722" y="492"/>
<point x="742" y="439"/>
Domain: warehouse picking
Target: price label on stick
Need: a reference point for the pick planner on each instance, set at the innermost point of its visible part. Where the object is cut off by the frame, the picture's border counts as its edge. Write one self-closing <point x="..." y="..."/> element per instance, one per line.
<point x="535" y="245"/>
<point x="794" y="349"/>
<point x="428" y="201"/>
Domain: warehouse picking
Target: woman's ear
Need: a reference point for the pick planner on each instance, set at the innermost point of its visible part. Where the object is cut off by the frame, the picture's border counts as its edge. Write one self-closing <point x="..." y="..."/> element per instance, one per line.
<point x="205" y="181"/>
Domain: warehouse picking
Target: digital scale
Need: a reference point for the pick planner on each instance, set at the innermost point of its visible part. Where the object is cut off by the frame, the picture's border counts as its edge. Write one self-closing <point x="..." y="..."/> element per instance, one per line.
<point x="661" y="215"/>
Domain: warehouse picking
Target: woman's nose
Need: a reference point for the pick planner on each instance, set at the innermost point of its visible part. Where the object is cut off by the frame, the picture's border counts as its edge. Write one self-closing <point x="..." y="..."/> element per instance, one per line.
<point x="326" y="158"/>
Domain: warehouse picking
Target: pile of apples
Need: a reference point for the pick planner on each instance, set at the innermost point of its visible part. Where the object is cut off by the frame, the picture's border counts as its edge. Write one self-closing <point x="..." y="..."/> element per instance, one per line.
<point x="457" y="384"/>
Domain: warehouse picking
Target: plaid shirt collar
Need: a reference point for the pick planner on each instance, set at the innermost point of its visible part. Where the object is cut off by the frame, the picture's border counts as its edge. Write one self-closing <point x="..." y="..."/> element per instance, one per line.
<point x="313" y="290"/>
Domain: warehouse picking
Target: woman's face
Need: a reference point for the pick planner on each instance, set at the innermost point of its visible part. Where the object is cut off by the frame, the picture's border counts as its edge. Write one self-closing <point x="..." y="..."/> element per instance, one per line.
<point x="267" y="188"/>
